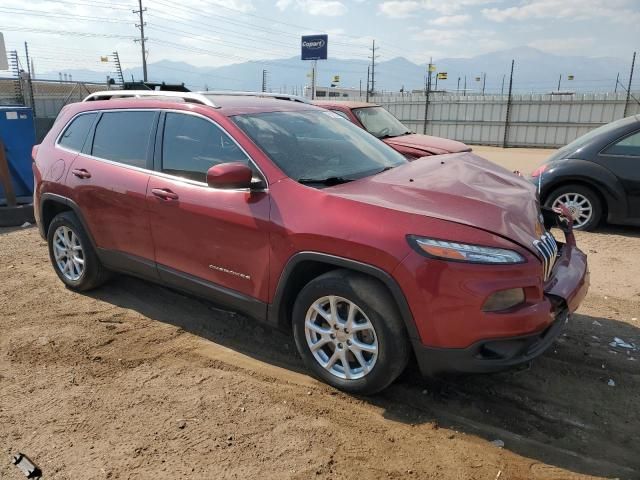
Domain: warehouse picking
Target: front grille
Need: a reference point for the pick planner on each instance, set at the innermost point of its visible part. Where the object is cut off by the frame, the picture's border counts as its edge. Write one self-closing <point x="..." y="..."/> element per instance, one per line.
<point x="548" y="249"/>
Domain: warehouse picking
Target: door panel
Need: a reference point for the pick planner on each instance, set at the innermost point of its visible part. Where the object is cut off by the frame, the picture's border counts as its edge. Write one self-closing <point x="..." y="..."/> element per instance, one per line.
<point x="623" y="159"/>
<point x="220" y="236"/>
<point x="112" y="200"/>
<point x="109" y="181"/>
<point x="216" y="235"/>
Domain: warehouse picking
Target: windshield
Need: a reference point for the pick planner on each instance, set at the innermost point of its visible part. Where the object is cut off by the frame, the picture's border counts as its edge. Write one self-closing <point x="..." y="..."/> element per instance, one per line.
<point x="379" y="122"/>
<point x="318" y="145"/>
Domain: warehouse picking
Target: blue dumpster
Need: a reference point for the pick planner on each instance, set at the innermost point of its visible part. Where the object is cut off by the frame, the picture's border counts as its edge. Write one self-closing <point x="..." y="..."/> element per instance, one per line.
<point x="17" y="132"/>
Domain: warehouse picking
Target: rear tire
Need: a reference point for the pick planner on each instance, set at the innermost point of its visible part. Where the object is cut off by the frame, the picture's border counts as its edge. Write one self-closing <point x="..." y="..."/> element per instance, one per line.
<point x="583" y="202"/>
<point x="72" y="255"/>
<point x="343" y="317"/>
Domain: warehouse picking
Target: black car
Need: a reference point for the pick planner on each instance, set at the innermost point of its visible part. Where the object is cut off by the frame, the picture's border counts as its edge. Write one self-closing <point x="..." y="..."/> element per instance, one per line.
<point x="597" y="176"/>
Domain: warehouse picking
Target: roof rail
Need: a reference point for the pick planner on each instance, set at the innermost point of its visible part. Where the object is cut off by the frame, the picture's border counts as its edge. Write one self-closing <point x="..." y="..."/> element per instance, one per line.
<point x="189" y="97"/>
<point x="277" y="96"/>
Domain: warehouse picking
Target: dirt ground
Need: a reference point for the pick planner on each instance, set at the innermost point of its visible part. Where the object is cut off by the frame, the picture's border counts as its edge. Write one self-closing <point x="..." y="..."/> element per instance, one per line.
<point x="135" y="381"/>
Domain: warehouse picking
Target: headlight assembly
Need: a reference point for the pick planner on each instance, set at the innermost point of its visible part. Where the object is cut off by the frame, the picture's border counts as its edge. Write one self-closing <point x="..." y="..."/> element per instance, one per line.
<point x="463" y="252"/>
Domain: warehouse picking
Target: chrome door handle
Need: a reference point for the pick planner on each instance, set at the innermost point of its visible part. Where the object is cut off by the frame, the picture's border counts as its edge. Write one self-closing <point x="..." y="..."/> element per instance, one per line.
<point x="81" y="173"/>
<point x="164" y="194"/>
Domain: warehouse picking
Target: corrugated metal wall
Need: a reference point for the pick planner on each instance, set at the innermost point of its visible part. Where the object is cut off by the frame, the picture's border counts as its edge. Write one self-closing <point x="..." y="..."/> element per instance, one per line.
<point x="536" y="120"/>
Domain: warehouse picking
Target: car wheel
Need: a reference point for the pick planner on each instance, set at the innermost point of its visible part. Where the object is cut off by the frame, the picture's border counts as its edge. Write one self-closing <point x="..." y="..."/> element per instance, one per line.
<point x="583" y="203"/>
<point x="349" y="332"/>
<point x="72" y="254"/>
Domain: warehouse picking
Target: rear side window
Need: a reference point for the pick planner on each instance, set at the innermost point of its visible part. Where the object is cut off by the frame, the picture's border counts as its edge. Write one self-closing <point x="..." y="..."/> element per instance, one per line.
<point x="124" y="137"/>
<point x="628" y="146"/>
<point x="75" y="134"/>
<point x="192" y="145"/>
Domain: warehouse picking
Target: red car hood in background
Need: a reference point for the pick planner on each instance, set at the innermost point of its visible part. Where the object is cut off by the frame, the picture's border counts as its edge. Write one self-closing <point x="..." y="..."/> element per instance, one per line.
<point x="462" y="188"/>
<point x="432" y="145"/>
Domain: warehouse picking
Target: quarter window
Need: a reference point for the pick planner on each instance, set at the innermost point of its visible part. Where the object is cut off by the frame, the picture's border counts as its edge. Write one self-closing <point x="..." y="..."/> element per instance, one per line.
<point x="192" y="145"/>
<point x="628" y="146"/>
<point x="124" y="137"/>
<point x="75" y="134"/>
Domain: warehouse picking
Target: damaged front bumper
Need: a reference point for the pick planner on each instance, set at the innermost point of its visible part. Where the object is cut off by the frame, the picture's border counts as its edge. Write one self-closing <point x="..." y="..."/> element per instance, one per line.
<point x="565" y="289"/>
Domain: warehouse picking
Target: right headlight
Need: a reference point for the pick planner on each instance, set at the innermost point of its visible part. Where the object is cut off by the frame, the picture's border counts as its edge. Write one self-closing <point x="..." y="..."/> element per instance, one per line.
<point x="463" y="252"/>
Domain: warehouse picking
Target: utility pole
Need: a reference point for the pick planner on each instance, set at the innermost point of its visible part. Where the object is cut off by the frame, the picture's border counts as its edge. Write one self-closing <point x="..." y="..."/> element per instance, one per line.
<point x="502" y="89"/>
<point x="559" y="80"/>
<point x="626" y="102"/>
<point x="426" y="97"/>
<point x="368" y="72"/>
<point x="373" y="67"/>
<point x="264" y="80"/>
<point x="508" y="115"/>
<point x="484" y="81"/>
<point x="464" y="89"/>
<point x="458" y="88"/>
<point x="142" y="38"/>
<point x="615" y="90"/>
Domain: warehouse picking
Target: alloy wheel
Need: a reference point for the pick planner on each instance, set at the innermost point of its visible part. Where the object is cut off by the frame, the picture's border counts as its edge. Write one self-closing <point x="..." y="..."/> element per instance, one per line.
<point x="341" y="337"/>
<point x="580" y="207"/>
<point x="68" y="253"/>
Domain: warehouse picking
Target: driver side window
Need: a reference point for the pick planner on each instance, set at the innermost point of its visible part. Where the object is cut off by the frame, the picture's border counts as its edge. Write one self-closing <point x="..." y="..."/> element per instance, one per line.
<point x="192" y="145"/>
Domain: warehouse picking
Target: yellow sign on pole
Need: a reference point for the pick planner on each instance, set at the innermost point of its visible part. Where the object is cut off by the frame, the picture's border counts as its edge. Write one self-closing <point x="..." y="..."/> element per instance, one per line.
<point x="336" y="79"/>
<point x="104" y="59"/>
<point x="442" y="76"/>
<point x="432" y="67"/>
<point x="570" y="77"/>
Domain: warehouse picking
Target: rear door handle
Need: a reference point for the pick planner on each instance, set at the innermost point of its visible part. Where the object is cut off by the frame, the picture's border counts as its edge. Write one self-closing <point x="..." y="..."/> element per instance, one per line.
<point x="164" y="193"/>
<point x="81" y="173"/>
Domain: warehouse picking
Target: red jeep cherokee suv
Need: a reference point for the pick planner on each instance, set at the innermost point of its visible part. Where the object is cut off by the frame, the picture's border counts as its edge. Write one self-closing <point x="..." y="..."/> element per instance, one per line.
<point x="280" y="210"/>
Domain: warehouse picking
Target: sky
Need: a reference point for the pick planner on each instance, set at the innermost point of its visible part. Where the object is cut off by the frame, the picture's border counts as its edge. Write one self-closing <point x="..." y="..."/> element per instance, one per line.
<point x="75" y="33"/>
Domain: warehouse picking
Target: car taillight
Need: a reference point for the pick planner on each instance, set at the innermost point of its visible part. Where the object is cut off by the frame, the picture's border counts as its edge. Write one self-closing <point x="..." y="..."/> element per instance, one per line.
<point x="539" y="171"/>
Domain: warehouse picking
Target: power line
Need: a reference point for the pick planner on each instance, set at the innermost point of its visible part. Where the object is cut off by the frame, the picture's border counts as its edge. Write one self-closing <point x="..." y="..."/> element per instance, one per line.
<point x="65" y="32"/>
<point x="36" y="13"/>
<point x="198" y="24"/>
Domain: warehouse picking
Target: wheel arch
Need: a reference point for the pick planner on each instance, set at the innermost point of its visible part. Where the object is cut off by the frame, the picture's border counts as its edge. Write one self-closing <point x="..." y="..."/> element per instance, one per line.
<point x="52" y="204"/>
<point x="590" y="175"/>
<point x="305" y="266"/>
<point x="604" y="198"/>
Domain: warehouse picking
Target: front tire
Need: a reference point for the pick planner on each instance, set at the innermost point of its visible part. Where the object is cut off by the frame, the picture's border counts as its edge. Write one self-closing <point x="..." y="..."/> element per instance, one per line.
<point x="72" y="255"/>
<point x="584" y="204"/>
<point x="349" y="333"/>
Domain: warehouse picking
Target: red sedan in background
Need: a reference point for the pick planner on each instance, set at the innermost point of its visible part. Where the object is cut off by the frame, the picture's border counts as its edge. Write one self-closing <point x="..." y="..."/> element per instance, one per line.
<point x="380" y="123"/>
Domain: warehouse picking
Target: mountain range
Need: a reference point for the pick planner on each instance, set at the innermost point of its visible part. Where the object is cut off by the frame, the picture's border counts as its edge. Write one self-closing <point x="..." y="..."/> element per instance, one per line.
<point x="535" y="71"/>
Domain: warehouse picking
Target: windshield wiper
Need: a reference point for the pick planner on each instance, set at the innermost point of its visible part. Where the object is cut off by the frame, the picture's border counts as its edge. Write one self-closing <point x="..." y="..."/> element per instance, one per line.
<point x="394" y="136"/>
<point x="384" y="170"/>
<point x="325" y="181"/>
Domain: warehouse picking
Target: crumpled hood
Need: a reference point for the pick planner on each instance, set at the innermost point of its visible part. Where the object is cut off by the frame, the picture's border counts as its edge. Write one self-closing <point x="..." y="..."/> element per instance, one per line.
<point x="460" y="187"/>
<point x="426" y="143"/>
